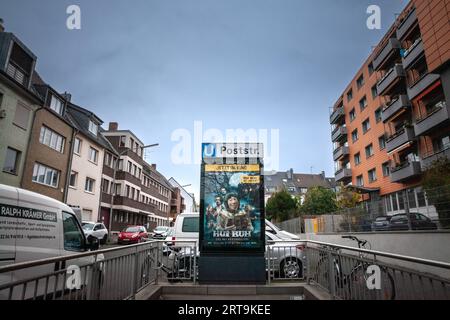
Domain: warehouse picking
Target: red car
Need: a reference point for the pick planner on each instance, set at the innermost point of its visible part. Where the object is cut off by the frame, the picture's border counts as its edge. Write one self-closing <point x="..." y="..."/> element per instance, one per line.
<point x="133" y="234"/>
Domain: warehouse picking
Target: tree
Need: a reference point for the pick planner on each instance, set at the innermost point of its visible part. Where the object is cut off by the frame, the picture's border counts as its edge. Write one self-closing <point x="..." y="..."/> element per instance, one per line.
<point x="281" y="206"/>
<point x="347" y="198"/>
<point x="436" y="183"/>
<point x="319" y="200"/>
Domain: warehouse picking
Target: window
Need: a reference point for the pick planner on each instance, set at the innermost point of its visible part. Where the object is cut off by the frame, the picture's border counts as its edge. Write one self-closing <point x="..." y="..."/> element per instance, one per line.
<point x="372" y="175"/>
<point x="366" y="125"/>
<point x="190" y="224"/>
<point x="412" y="198"/>
<point x="421" y="199"/>
<point x="386" y="169"/>
<point x="378" y="114"/>
<point x="86" y="215"/>
<point x="352" y="114"/>
<point x="105" y="186"/>
<point x="374" y="92"/>
<point x="77" y="146"/>
<point x="73" y="237"/>
<point x="73" y="179"/>
<point x="401" y="200"/>
<point x="21" y="116"/>
<point x="45" y="175"/>
<point x="359" y="181"/>
<point x="93" y="127"/>
<point x="127" y="191"/>
<point x="131" y="143"/>
<point x="355" y="135"/>
<point x="51" y="139"/>
<point x="118" y="189"/>
<point x="382" y="142"/>
<point x="369" y="151"/>
<point x="123" y="140"/>
<point x="394" y="202"/>
<point x="371" y="69"/>
<point x="357" y="158"/>
<point x="56" y="105"/>
<point x="349" y="95"/>
<point x="363" y="103"/>
<point x="130" y="166"/>
<point x="89" y="185"/>
<point x="12" y="160"/>
<point x="360" y="82"/>
<point x="93" y="154"/>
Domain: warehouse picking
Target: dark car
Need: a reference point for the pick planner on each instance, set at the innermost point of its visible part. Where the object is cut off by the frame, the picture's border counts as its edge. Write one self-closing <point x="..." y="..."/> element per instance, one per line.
<point x="418" y="222"/>
<point x="381" y="223"/>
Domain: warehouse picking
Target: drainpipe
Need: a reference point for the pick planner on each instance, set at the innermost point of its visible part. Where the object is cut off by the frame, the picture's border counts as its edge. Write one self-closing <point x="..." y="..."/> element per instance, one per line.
<point x="28" y="144"/>
<point x="69" y="164"/>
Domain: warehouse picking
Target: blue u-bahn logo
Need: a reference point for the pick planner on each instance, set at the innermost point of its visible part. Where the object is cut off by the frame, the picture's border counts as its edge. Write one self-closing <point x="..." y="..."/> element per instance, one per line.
<point x="209" y="150"/>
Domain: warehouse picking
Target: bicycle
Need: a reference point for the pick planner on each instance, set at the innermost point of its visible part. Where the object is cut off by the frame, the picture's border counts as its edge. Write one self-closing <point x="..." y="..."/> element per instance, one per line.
<point x="354" y="283"/>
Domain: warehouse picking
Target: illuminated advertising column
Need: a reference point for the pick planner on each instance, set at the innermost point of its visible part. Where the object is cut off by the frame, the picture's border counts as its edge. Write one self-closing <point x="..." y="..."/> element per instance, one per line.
<point x="232" y="239"/>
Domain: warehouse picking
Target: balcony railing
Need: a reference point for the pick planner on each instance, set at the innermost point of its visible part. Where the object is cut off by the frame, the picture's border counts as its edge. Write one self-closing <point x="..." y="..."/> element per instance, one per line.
<point x="405" y="171"/>
<point x="438" y="115"/>
<point x="17" y="74"/>
<point x="401" y="137"/>
<point x="389" y="79"/>
<point x="413" y="52"/>
<point x="343" y="174"/>
<point x="406" y="24"/>
<point x="423" y="83"/>
<point x="339" y="133"/>
<point x="341" y="152"/>
<point x="392" y="46"/>
<point x="395" y="106"/>
<point x="336" y="115"/>
<point x="428" y="158"/>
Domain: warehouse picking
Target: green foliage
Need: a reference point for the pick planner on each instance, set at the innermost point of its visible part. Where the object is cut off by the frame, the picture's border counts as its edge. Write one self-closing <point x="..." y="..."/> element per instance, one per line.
<point x="347" y="198"/>
<point x="436" y="183"/>
<point x="319" y="200"/>
<point x="281" y="206"/>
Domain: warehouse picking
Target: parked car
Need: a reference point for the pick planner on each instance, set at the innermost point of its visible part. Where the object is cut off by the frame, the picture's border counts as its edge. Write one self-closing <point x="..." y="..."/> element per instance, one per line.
<point x="160" y="232"/>
<point x="381" y="223"/>
<point x="418" y="222"/>
<point x="96" y="229"/>
<point x="133" y="234"/>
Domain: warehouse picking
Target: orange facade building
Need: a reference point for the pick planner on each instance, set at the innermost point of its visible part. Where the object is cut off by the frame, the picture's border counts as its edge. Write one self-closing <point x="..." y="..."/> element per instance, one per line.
<point x="393" y="119"/>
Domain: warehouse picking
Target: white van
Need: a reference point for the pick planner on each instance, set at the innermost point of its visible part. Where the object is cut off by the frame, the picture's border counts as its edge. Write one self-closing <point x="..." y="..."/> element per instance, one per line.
<point x="35" y="227"/>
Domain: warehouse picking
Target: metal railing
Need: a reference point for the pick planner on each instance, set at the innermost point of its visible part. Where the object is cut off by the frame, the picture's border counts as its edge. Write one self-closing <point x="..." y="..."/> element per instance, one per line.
<point x="347" y="273"/>
<point x="122" y="272"/>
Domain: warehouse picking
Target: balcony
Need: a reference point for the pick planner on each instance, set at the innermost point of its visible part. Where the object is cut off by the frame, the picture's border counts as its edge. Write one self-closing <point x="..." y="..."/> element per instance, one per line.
<point x="429" y="158"/>
<point x="393" y="46"/>
<point x="412" y="54"/>
<point x="124" y="201"/>
<point x="440" y="114"/>
<point x="337" y="115"/>
<point x="409" y="21"/>
<point x="387" y="82"/>
<point x="340" y="153"/>
<point x="422" y="84"/>
<point x="400" y="138"/>
<point x="405" y="171"/>
<point x="395" y="107"/>
<point x="339" y="133"/>
<point x="343" y="175"/>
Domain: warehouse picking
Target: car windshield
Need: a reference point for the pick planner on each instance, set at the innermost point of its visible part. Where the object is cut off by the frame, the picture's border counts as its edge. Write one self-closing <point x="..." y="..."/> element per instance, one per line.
<point x="132" y="229"/>
<point x="382" y="218"/>
<point x="161" y="229"/>
<point x="88" y="226"/>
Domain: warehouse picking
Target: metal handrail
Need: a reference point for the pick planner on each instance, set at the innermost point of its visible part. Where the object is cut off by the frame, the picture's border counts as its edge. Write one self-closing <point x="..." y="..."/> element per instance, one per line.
<point x="433" y="263"/>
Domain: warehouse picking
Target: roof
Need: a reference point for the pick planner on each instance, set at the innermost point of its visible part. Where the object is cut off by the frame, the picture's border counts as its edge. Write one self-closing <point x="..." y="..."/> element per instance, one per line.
<point x="298" y="180"/>
<point x="178" y="185"/>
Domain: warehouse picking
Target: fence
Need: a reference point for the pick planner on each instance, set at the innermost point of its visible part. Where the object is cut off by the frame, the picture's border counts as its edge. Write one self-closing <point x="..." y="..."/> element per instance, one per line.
<point x="120" y="273"/>
<point x="413" y="210"/>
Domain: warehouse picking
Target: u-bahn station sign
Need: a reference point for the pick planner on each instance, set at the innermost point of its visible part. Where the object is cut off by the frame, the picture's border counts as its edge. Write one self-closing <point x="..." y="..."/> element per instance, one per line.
<point x="232" y="214"/>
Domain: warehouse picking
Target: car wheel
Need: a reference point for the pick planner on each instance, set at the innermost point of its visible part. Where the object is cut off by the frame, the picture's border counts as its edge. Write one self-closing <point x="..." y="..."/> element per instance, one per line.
<point x="291" y="268"/>
<point x="105" y="238"/>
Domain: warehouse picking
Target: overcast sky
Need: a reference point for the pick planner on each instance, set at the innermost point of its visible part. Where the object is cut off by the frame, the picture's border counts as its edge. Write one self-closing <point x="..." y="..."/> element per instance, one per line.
<point x="156" y="66"/>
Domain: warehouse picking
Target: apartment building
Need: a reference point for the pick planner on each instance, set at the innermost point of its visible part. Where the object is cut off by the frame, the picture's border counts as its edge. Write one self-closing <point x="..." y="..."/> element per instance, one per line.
<point x="18" y="103"/>
<point x="135" y="193"/>
<point x="46" y="168"/>
<point x="392" y="120"/>
<point x="87" y="162"/>
<point x="296" y="184"/>
<point x="177" y="204"/>
<point x="188" y="199"/>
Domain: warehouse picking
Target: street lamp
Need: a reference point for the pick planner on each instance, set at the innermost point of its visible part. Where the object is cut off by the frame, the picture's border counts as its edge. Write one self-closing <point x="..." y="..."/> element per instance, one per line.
<point x="114" y="181"/>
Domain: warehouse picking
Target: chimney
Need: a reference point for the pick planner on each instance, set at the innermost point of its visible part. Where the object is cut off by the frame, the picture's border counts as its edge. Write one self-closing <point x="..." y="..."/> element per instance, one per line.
<point x="67" y="96"/>
<point x="154" y="166"/>
<point x="2" y="27"/>
<point x="290" y="174"/>
<point x="323" y="174"/>
<point x="113" y="126"/>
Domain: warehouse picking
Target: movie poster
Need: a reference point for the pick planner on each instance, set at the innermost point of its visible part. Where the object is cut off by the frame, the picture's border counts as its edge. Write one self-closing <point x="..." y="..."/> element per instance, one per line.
<point x="232" y="207"/>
